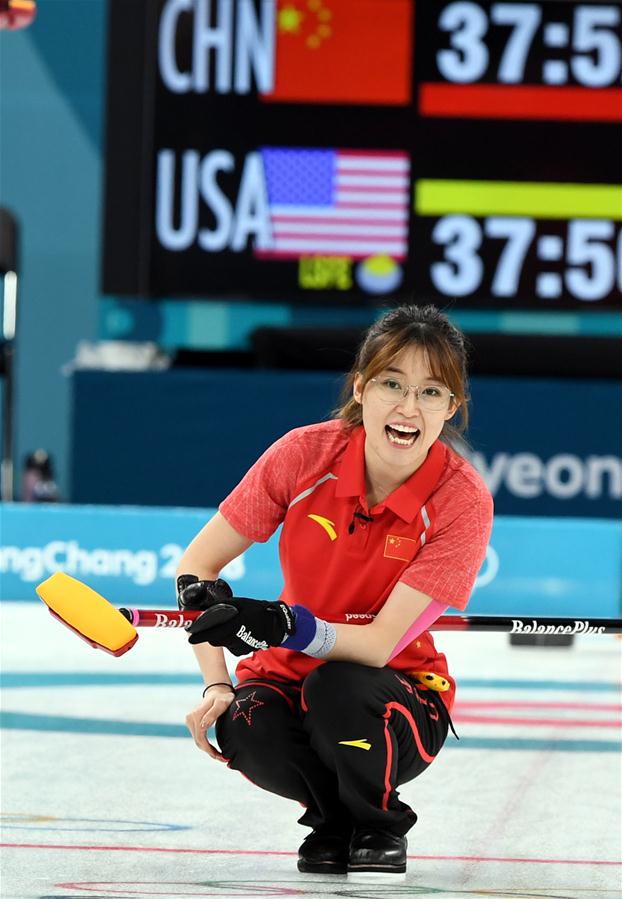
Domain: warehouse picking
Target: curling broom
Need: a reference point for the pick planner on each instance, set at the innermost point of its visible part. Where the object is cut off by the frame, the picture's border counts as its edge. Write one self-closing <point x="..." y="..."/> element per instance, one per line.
<point x="112" y="629"/>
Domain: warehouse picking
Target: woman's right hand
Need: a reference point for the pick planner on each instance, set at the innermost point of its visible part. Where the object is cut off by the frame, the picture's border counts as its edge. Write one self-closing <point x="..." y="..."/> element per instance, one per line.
<point x="217" y="700"/>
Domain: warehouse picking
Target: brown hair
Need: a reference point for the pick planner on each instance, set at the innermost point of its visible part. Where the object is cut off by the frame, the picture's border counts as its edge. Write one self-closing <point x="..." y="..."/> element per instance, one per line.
<point x="401" y="328"/>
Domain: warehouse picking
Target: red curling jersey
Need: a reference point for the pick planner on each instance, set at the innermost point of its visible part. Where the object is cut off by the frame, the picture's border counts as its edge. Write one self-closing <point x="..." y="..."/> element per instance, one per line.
<point x="431" y="534"/>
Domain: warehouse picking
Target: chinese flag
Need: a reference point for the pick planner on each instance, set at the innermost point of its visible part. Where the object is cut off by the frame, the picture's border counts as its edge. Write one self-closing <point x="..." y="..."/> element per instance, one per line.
<point x="343" y="51"/>
<point x="403" y="548"/>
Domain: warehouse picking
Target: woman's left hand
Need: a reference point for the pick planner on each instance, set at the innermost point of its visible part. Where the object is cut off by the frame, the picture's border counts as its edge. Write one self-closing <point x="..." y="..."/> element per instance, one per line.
<point x="201" y="718"/>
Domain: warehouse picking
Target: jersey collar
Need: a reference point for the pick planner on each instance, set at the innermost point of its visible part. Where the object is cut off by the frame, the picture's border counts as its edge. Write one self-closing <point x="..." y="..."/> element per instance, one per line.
<point x="407" y="500"/>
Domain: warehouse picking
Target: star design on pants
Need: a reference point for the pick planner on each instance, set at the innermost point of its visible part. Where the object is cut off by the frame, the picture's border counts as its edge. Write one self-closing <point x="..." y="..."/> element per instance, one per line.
<point x="246" y="706"/>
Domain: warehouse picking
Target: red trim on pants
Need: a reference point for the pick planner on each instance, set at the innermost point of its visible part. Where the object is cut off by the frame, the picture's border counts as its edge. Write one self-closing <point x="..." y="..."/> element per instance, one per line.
<point x="398" y="707"/>
<point x="387" y="773"/>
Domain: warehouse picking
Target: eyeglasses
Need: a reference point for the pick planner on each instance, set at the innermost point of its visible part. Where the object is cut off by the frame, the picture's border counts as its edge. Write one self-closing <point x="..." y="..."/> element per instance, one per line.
<point x="432" y="397"/>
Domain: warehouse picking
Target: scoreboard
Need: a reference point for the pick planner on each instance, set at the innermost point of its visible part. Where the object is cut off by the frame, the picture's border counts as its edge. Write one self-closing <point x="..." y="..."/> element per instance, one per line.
<point x="351" y="152"/>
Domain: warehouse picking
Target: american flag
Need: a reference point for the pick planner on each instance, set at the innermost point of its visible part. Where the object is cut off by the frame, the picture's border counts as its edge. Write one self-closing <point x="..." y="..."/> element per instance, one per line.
<point x="336" y="202"/>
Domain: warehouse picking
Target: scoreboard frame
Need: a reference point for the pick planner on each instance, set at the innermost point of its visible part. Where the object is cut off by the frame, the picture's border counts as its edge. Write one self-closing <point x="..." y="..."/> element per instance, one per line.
<point x="533" y="194"/>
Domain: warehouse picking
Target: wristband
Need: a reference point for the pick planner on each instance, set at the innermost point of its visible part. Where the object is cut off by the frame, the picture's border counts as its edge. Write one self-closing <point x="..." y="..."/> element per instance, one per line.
<point x="313" y="636"/>
<point x="219" y="684"/>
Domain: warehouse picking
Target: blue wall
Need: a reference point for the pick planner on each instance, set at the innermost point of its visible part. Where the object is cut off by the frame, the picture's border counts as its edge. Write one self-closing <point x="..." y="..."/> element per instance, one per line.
<point x="186" y="437"/>
<point x="51" y="107"/>
<point x="129" y="555"/>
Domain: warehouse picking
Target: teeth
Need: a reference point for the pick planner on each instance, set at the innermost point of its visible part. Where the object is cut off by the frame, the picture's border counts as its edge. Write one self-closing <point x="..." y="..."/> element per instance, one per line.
<point x="407" y="442"/>
<point x="405" y="428"/>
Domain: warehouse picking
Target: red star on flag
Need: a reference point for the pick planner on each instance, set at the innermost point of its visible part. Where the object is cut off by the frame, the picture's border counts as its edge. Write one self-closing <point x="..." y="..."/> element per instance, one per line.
<point x="403" y="548"/>
<point x="343" y="51"/>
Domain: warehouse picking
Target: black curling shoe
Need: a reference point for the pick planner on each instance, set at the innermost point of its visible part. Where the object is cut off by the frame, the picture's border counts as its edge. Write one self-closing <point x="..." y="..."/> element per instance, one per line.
<point x="324" y="853"/>
<point x="377" y="855"/>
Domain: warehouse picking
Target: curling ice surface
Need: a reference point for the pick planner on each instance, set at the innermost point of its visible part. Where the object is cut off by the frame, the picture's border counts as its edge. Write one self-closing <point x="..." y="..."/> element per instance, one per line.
<point x="96" y="761"/>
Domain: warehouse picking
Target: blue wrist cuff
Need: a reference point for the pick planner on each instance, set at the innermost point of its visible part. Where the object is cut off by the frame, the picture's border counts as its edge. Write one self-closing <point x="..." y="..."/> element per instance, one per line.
<point x="313" y="636"/>
<point x="306" y="629"/>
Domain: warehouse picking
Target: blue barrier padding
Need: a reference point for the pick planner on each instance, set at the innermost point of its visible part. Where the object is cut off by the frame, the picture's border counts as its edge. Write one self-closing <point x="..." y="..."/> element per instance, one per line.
<point x="534" y="566"/>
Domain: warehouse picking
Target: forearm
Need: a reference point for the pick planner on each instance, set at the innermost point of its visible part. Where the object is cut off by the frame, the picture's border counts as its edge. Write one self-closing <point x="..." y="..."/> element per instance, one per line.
<point x="362" y="643"/>
<point x="213" y="547"/>
<point x="212" y="663"/>
<point x="406" y="615"/>
<point x="239" y="623"/>
<point x="211" y="659"/>
<point x="366" y="644"/>
<point x="197" y="561"/>
<point x="358" y="643"/>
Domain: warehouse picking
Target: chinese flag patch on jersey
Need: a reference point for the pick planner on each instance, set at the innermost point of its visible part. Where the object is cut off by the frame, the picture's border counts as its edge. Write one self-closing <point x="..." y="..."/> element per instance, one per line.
<point x="343" y="51"/>
<point x="402" y="548"/>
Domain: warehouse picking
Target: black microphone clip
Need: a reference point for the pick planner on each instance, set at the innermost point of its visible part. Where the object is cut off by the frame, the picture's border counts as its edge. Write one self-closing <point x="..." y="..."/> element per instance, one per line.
<point x="356" y="515"/>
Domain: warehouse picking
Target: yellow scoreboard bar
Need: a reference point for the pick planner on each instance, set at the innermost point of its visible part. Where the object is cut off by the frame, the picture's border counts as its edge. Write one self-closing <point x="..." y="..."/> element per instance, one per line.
<point x="526" y="198"/>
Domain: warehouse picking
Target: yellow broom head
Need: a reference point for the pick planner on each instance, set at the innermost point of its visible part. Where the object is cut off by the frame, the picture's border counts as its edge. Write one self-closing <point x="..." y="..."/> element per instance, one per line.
<point x="87" y="613"/>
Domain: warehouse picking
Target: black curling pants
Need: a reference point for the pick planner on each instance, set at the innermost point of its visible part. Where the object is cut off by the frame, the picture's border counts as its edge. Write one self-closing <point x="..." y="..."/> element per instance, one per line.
<point x="340" y="743"/>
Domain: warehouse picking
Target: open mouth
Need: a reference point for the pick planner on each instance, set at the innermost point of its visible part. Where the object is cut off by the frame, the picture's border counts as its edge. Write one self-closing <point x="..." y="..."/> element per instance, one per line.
<point x="401" y="435"/>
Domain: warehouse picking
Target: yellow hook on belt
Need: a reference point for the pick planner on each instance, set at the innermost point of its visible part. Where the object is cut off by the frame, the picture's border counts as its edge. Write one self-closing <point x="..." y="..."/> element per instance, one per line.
<point x="432" y="681"/>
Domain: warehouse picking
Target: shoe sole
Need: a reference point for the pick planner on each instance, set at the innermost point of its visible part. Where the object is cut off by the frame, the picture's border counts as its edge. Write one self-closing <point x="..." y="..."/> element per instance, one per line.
<point x="321" y="868"/>
<point x="388" y="876"/>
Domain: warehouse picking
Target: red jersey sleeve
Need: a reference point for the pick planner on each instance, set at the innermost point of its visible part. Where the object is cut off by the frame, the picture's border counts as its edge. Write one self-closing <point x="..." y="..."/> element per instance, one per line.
<point x="257" y="506"/>
<point x="447" y="565"/>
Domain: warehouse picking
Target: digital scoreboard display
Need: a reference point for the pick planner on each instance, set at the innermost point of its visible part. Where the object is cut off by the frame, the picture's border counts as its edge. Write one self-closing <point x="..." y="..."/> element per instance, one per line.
<point x="356" y="151"/>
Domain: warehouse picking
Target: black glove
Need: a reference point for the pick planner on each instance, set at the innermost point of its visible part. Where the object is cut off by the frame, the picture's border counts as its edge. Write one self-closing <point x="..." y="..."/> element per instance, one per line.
<point x="241" y="625"/>
<point x="194" y="595"/>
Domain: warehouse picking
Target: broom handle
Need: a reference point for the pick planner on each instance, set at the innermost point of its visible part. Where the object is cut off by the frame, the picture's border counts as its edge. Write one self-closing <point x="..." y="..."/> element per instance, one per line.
<point x="498" y="623"/>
